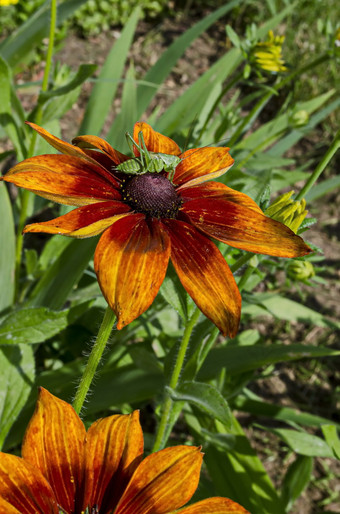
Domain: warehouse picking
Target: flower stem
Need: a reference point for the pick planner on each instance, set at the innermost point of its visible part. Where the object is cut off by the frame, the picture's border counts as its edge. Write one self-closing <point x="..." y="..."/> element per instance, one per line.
<point x="167" y="405"/>
<point x="264" y="99"/>
<point x="94" y="358"/>
<point x="320" y="167"/>
<point x="38" y="117"/>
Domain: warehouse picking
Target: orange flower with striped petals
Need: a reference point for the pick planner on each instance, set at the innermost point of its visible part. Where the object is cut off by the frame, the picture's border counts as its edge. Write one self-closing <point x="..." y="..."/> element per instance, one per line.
<point x="147" y="218"/>
<point x="66" y="469"/>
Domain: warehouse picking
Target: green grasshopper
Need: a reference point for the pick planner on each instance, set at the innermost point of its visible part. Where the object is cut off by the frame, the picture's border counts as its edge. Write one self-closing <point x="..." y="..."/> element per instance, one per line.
<point x="148" y="162"/>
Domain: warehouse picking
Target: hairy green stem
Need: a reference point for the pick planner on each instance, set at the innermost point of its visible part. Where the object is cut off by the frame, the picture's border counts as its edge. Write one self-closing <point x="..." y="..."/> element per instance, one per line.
<point x="94" y="359"/>
<point x="167" y="405"/>
<point x="38" y="117"/>
<point x="168" y="402"/>
<point x="320" y="167"/>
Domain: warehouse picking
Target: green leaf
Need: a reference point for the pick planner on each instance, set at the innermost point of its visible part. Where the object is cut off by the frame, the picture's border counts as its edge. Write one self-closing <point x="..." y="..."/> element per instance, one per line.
<point x="323" y="188"/>
<point x="279" y="124"/>
<point x="233" y="36"/>
<point x="283" y="308"/>
<point x="128" y="115"/>
<point x="158" y="73"/>
<point x="332" y="439"/>
<point x="107" y="83"/>
<point x="278" y="412"/>
<point x="238" y="473"/>
<point x="7" y="112"/>
<point x="174" y="293"/>
<point x="20" y="43"/>
<point x="59" y="279"/>
<point x="84" y="72"/>
<point x="284" y="144"/>
<point x="7" y="254"/>
<point x="303" y="443"/>
<point x="240" y="359"/>
<point x="192" y="101"/>
<point x="296" y="480"/>
<point x="205" y="397"/>
<point x="29" y="326"/>
<point x="16" y="380"/>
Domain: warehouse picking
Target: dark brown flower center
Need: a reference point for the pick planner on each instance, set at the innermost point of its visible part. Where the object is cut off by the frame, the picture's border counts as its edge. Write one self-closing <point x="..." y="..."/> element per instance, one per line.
<point x="153" y="194"/>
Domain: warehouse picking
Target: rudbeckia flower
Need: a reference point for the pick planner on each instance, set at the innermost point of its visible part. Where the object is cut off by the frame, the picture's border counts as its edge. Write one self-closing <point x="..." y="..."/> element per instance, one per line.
<point x="146" y="219"/>
<point x="268" y="54"/>
<point x="65" y="469"/>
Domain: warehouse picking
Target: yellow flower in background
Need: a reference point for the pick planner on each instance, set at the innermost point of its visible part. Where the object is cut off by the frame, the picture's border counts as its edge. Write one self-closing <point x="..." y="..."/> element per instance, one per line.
<point x="289" y="212"/>
<point x="8" y="2"/>
<point x="268" y="54"/>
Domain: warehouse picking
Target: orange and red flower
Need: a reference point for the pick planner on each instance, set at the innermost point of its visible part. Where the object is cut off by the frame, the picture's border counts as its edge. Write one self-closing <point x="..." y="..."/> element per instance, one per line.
<point x="147" y="219"/>
<point x="66" y="469"/>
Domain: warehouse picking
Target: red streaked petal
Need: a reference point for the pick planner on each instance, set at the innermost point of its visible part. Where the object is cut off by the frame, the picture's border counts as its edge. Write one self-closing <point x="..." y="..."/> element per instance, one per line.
<point x="54" y="444"/>
<point x="244" y="228"/>
<point x="23" y="487"/>
<point x="218" y="190"/>
<point x="131" y="259"/>
<point x="201" y="164"/>
<point x="163" y="482"/>
<point x="205" y="275"/>
<point x="154" y="141"/>
<point x="87" y="221"/>
<point x="214" y="505"/>
<point x="100" y="144"/>
<point x="63" y="179"/>
<point x="114" y="448"/>
<point x="60" y="145"/>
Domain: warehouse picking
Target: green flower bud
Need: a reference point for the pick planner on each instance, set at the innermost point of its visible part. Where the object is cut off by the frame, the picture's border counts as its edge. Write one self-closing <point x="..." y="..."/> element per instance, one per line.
<point x="300" y="270"/>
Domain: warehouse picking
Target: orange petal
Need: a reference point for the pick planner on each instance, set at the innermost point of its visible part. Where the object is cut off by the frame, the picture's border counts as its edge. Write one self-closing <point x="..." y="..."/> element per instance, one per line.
<point x="154" y="141"/>
<point x="63" y="179"/>
<point x="60" y="145"/>
<point x="163" y="482"/>
<point x="244" y="228"/>
<point x="23" y="488"/>
<point x="102" y="145"/>
<point x="214" y="506"/>
<point x="205" y="275"/>
<point x="218" y="190"/>
<point x="114" y="448"/>
<point x="54" y="444"/>
<point x="202" y="164"/>
<point x="131" y="259"/>
<point x="86" y="221"/>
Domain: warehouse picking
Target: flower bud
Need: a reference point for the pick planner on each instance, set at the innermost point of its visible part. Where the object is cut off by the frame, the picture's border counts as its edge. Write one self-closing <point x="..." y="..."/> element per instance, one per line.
<point x="289" y="212"/>
<point x="300" y="270"/>
<point x="268" y="54"/>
